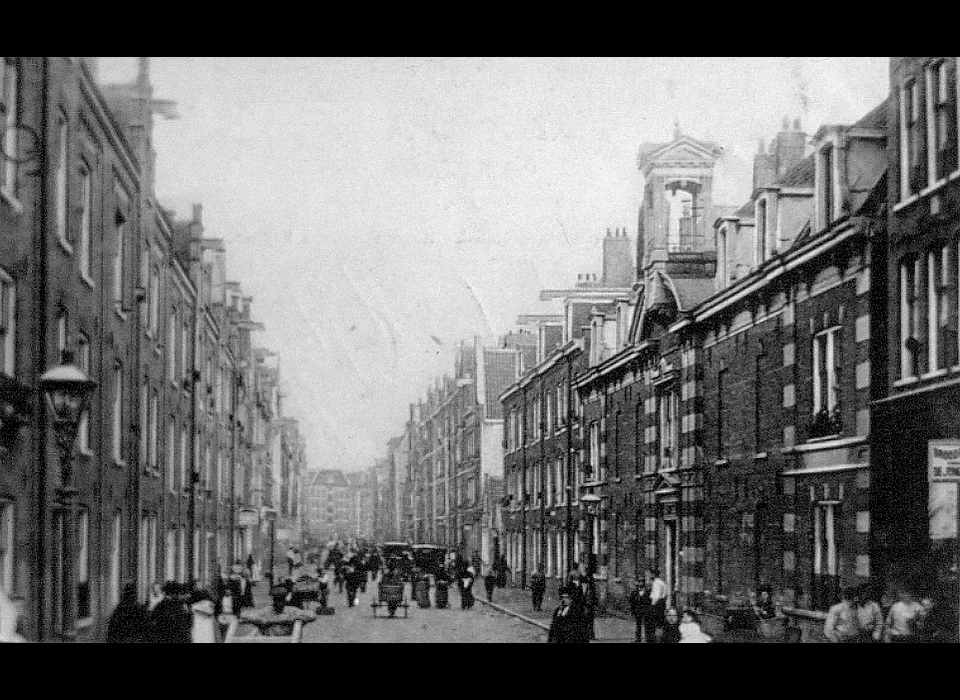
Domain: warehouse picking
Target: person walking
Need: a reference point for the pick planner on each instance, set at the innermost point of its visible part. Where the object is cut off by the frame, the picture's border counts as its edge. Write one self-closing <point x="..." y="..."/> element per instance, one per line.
<point x="869" y="616"/>
<point x="503" y="570"/>
<point x="568" y="626"/>
<point x="589" y="599"/>
<point x="130" y="620"/>
<point x="640" y="607"/>
<point x="422" y="584"/>
<point x="443" y="589"/>
<point x="841" y="625"/>
<point x="171" y="620"/>
<point x="671" y="628"/>
<point x="466" y="588"/>
<point x="690" y="630"/>
<point x="490" y="583"/>
<point x="352" y="583"/>
<point x="538" y="587"/>
<point x="901" y="620"/>
<point x="658" y="604"/>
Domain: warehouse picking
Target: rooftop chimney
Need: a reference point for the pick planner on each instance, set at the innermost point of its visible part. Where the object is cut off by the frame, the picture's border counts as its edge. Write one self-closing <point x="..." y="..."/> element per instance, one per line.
<point x="617" y="260"/>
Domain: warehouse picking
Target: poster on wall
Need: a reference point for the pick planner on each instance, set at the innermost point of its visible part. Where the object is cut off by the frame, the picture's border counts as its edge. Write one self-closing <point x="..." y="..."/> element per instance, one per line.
<point x="943" y="464"/>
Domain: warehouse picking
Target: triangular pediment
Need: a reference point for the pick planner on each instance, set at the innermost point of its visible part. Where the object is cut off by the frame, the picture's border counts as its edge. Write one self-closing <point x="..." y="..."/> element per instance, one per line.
<point x="682" y="150"/>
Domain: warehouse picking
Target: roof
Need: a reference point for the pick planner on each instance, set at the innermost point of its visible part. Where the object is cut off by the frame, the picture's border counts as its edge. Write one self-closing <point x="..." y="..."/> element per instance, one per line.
<point x="800" y="175"/>
<point x="875" y="118"/>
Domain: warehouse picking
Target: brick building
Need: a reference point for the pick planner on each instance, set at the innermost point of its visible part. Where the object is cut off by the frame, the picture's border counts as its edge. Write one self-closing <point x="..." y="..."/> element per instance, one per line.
<point x="91" y="263"/>
<point x="916" y="414"/>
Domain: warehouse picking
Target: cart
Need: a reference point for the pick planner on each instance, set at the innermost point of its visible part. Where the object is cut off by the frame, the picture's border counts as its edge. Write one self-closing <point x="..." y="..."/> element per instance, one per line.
<point x="269" y="627"/>
<point x="391" y="596"/>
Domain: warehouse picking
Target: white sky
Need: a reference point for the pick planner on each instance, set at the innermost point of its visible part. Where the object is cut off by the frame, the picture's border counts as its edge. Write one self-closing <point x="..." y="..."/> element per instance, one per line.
<point x="373" y="207"/>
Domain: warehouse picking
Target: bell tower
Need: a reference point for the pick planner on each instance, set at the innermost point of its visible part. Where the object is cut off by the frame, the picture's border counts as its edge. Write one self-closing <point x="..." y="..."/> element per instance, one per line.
<point x="676" y="214"/>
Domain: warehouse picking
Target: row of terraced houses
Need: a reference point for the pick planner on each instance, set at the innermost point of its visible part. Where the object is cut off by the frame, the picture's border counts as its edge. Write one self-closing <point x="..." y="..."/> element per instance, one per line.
<point x="761" y="394"/>
<point x="185" y="451"/>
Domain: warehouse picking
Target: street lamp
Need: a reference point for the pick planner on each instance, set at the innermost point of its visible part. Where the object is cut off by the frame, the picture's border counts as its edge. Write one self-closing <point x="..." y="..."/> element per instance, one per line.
<point x="67" y="390"/>
<point x="271" y="516"/>
<point x="591" y="504"/>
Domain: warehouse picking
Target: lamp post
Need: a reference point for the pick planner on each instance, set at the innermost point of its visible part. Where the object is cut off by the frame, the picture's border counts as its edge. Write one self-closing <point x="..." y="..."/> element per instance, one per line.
<point x="591" y="504"/>
<point x="271" y="516"/>
<point x="67" y="390"/>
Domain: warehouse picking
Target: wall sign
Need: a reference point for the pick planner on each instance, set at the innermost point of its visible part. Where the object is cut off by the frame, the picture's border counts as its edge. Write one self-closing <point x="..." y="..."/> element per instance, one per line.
<point x="943" y="465"/>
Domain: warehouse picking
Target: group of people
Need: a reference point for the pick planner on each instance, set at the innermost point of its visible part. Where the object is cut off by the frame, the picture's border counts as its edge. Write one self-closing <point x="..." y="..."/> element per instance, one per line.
<point x="352" y="570"/>
<point x="655" y="623"/>
<point x="859" y="619"/>
<point x="179" y="613"/>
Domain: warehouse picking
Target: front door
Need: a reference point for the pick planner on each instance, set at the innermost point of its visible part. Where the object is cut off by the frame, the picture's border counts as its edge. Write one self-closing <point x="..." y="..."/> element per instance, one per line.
<point x="669" y="559"/>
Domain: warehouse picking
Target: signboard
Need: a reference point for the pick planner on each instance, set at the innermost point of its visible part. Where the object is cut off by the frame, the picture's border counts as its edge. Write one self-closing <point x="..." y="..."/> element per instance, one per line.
<point x="247" y="517"/>
<point x="943" y="474"/>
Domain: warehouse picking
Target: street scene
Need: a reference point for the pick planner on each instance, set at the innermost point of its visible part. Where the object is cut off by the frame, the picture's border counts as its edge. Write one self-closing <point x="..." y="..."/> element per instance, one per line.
<point x="479" y="350"/>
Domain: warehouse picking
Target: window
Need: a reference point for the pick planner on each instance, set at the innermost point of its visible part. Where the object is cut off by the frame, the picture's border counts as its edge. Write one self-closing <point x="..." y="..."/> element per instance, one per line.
<point x="912" y="169"/>
<point x="120" y="225"/>
<point x="144" y="424"/>
<point x="170" y="556"/>
<point x="909" y="317"/>
<point x="594" y="450"/>
<point x="721" y="411"/>
<point x="115" y="548"/>
<point x="8" y="325"/>
<point x="561" y="405"/>
<point x="118" y="414"/>
<point x="186" y="468"/>
<point x="86" y="219"/>
<point x="758" y="375"/>
<point x="83" y="359"/>
<point x="196" y="555"/>
<point x="84" y="609"/>
<point x="668" y="409"/>
<point x="62" y="331"/>
<point x="942" y="122"/>
<point x="172" y="345"/>
<point x="8" y="121"/>
<point x="185" y="363"/>
<point x="154" y="420"/>
<point x="616" y="445"/>
<point x="940" y="349"/>
<point x="826" y="582"/>
<point x="826" y="392"/>
<point x="763" y="248"/>
<point x="171" y="456"/>
<point x="6" y="546"/>
<point x="722" y="255"/>
<point x="154" y="301"/>
<point x="182" y="548"/>
<point x="827" y="186"/>
<point x="549" y="405"/>
<point x="63" y="151"/>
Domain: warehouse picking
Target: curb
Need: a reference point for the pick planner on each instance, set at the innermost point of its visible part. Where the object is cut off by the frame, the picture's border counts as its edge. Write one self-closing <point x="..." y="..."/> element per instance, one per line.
<point x="511" y="613"/>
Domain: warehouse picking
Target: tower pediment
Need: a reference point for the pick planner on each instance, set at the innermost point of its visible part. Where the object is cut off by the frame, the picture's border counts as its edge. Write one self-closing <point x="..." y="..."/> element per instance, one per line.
<point x="681" y="151"/>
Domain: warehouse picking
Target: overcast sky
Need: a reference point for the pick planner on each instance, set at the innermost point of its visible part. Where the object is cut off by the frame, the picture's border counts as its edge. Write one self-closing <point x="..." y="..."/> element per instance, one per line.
<point x="380" y="210"/>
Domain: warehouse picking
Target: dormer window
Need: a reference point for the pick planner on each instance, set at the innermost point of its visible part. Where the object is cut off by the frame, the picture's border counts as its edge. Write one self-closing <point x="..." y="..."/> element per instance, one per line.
<point x="826" y="191"/>
<point x="941" y="122"/>
<point x="761" y="218"/>
<point x="912" y="175"/>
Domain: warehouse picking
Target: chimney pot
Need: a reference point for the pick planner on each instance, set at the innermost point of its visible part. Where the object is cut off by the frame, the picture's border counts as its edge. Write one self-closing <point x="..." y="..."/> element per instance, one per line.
<point x="796" y="124"/>
<point x="786" y="124"/>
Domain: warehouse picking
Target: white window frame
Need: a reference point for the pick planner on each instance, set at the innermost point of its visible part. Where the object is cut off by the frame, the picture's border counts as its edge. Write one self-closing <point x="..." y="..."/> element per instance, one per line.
<point x="828" y="340"/>
<point x="595" y="451"/>
<point x="8" y="325"/>
<point x="118" y="415"/>
<point x="173" y="326"/>
<point x="825" y="539"/>
<point x="84" y="434"/>
<point x="184" y="458"/>
<point x="762" y="220"/>
<point x="9" y="84"/>
<point x="170" y="555"/>
<point x="115" y="562"/>
<point x="85" y="251"/>
<point x="909" y="314"/>
<point x="909" y="92"/>
<point x="120" y="229"/>
<point x="668" y="428"/>
<point x="8" y="524"/>
<point x="62" y="186"/>
<point x="182" y="556"/>
<point x="171" y="461"/>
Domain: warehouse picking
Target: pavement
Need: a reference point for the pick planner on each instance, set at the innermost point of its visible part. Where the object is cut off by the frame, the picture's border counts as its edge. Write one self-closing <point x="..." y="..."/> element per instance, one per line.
<point x="518" y="603"/>
<point x="349" y="625"/>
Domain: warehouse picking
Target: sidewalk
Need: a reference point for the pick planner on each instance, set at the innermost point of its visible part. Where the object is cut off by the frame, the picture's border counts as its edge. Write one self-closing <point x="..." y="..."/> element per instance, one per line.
<point x="517" y="602"/>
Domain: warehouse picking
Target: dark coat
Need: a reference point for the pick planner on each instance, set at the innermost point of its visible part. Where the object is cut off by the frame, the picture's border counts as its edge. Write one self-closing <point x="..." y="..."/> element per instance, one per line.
<point x="671" y="634"/>
<point x="172" y="622"/>
<point x="130" y="624"/>
<point x="570" y="628"/>
<point x="639" y="603"/>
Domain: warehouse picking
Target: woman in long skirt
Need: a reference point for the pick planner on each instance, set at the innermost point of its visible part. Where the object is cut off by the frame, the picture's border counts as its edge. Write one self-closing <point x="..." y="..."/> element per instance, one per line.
<point x="443" y="586"/>
<point x="466" y="592"/>
<point x="423" y="591"/>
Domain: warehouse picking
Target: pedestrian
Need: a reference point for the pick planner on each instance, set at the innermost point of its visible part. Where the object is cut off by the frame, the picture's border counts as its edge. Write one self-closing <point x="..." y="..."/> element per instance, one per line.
<point x="154" y="595"/>
<point x="670" y="633"/>
<point x="490" y="583"/>
<point x="764" y="608"/>
<point x="241" y="590"/>
<point x="443" y="589"/>
<point x="291" y="559"/>
<point x="640" y="607"/>
<point x="841" y="625"/>
<point x="589" y="600"/>
<point x="502" y="570"/>
<point x="350" y="583"/>
<point x="933" y="624"/>
<point x="250" y="563"/>
<point x="392" y="578"/>
<point x="339" y="577"/>
<point x="9" y="620"/>
<point x="130" y="620"/>
<point x="171" y="620"/>
<point x="869" y="616"/>
<point x="567" y="625"/>
<point x="658" y="603"/>
<point x="690" y="631"/>
<point x="205" y="628"/>
<point x="538" y="586"/>
<point x="466" y="588"/>
<point x="422" y="589"/>
<point x="901" y="620"/>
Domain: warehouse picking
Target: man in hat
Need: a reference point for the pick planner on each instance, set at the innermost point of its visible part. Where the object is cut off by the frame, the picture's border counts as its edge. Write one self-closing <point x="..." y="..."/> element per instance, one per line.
<point x="171" y="619"/>
<point x="569" y="625"/>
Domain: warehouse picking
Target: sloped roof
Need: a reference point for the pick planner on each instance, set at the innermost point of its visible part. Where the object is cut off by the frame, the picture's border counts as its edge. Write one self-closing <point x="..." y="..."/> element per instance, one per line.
<point x="875" y="118"/>
<point x="692" y="291"/>
<point x="745" y="211"/>
<point x="800" y="175"/>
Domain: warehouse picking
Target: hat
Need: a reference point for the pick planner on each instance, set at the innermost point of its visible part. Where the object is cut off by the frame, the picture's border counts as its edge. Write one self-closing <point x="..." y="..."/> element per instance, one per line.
<point x="568" y="590"/>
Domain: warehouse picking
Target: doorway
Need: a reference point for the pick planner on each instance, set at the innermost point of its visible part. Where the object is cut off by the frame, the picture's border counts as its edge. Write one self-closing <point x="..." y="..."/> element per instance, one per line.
<point x="669" y="562"/>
